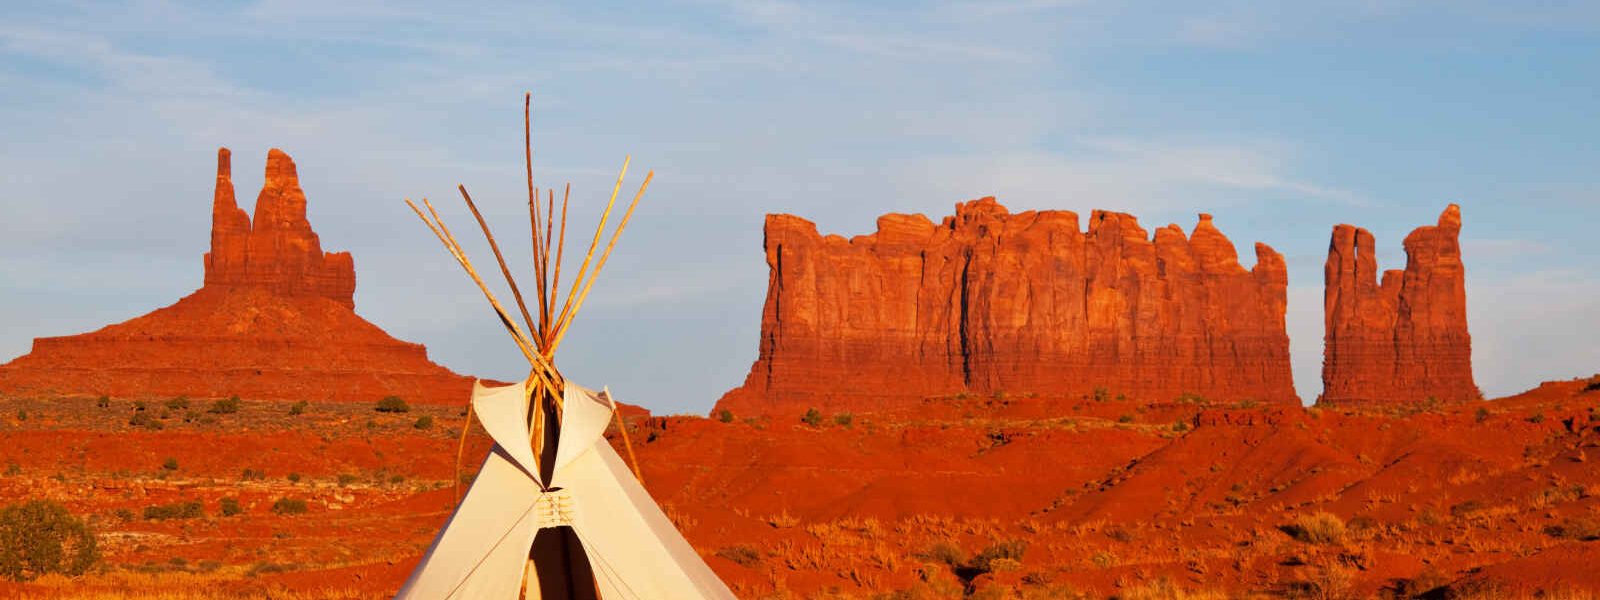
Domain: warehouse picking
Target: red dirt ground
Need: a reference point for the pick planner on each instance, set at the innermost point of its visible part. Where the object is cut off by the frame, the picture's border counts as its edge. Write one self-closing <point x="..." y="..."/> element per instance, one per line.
<point x="994" y="497"/>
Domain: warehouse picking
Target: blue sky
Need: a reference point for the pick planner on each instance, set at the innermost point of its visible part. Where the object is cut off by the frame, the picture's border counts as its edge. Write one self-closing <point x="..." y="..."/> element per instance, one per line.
<point x="1282" y="119"/>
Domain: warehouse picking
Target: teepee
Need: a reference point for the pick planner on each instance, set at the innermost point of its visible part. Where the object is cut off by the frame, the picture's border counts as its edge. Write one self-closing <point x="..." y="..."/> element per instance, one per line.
<point x="554" y="512"/>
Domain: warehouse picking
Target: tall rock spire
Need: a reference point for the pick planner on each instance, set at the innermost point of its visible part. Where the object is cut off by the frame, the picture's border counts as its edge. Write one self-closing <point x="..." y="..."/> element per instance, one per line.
<point x="278" y="251"/>
<point x="1402" y="338"/>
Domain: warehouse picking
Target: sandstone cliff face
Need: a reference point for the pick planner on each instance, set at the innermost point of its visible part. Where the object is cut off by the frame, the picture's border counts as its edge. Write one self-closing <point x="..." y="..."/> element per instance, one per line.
<point x="1404" y="338"/>
<point x="989" y="301"/>
<point x="274" y="320"/>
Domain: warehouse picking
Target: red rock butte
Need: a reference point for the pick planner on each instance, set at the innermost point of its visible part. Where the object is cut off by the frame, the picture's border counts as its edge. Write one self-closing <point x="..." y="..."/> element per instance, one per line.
<point x="1403" y="339"/>
<point x="275" y="319"/>
<point x="988" y="301"/>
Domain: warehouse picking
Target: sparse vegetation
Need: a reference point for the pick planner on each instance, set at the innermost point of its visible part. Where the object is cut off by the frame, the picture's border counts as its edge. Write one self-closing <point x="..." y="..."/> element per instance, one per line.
<point x="298" y="408"/>
<point x="225" y="406"/>
<point x="843" y="419"/>
<point x="725" y="415"/>
<point x="289" y="506"/>
<point x="1583" y="529"/>
<point x="179" y="403"/>
<point x="1316" y="528"/>
<point x="143" y="420"/>
<point x="176" y="510"/>
<point x="423" y="422"/>
<point x="1100" y="394"/>
<point x="103" y="402"/>
<point x="229" y="506"/>
<point x="744" y="556"/>
<point x="392" y="404"/>
<point x="1125" y="418"/>
<point x="813" y="417"/>
<point x="170" y="464"/>
<point x="39" y="537"/>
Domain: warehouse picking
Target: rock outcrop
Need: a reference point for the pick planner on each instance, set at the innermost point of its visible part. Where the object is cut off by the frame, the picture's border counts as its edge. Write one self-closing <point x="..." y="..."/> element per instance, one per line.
<point x="988" y="301"/>
<point x="275" y="319"/>
<point x="1405" y="338"/>
<point x="277" y="251"/>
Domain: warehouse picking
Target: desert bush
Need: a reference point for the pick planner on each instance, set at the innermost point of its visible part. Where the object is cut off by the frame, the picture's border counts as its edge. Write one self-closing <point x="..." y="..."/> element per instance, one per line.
<point x="298" y="408"/>
<point x="1316" y="528"/>
<point x="143" y="420"/>
<point x="844" y="419"/>
<point x="1127" y="418"/>
<point x="725" y="415"/>
<point x="39" y="537"/>
<point x="22" y="414"/>
<point x="944" y="552"/>
<point x="1583" y="529"/>
<point x="423" y="422"/>
<point x="392" y="404"/>
<point x="175" y="510"/>
<point x="744" y="556"/>
<point x="103" y="402"/>
<point x="179" y="403"/>
<point x="346" y="479"/>
<point x="1180" y="426"/>
<point x="230" y="506"/>
<point x="294" y="478"/>
<point x="1481" y="415"/>
<point x="225" y="406"/>
<point x="289" y="506"/>
<point x="813" y="417"/>
<point x="1594" y="385"/>
<point x="1101" y="394"/>
<point x="170" y="464"/>
<point x="999" y="556"/>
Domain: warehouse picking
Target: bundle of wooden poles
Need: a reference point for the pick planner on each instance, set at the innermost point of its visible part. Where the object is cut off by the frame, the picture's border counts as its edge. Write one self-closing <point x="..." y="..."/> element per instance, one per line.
<point x="545" y="329"/>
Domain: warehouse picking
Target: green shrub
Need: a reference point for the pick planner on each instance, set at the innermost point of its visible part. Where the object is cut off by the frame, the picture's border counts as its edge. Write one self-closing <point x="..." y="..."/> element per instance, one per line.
<point x="225" y="406"/>
<point x="294" y="478"/>
<point x="392" y="404"/>
<point x="423" y="422"/>
<point x="1180" y="426"/>
<point x="39" y="537"/>
<point x="143" y="420"/>
<point x="725" y="415"/>
<point x="1101" y="394"/>
<point x="346" y="479"/>
<point x="813" y="417"/>
<point x="179" y="403"/>
<point x="175" y="510"/>
<point x="289" y="506"/>
<point x="22" y="415"/>
<point x="230" y="506"/>
<point x="844" y="419"/>
<point x="1125" y="419"/>
<point x="103" y="402"/>
<point x="298" y="408"/>
<point x="170" y="464"/>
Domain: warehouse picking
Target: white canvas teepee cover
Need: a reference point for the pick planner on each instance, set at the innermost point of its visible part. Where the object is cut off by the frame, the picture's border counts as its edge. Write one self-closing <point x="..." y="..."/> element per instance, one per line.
<point x="631" y="545"/>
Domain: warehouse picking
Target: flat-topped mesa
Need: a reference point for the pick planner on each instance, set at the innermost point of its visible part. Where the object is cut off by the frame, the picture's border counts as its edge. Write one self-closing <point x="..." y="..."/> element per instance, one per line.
<point x="1403" y="339"/>
<point x="989" y="301"/>
<point x="274" y="320"/>
<point x="278" y="252"/>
